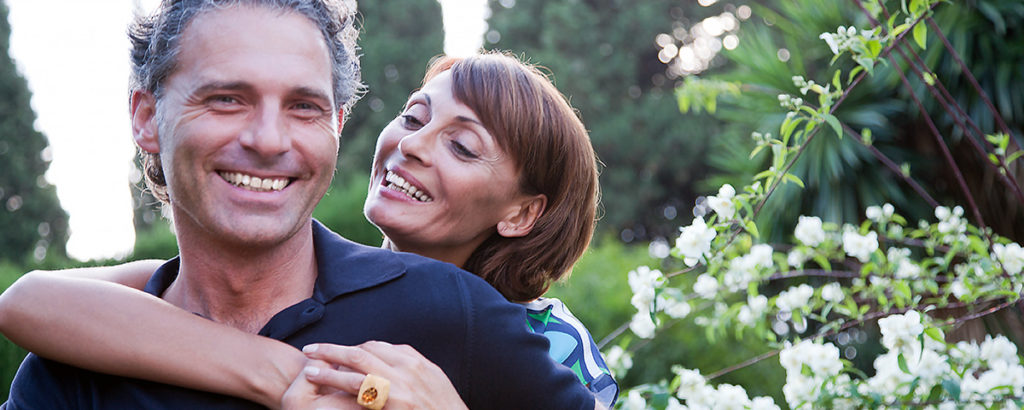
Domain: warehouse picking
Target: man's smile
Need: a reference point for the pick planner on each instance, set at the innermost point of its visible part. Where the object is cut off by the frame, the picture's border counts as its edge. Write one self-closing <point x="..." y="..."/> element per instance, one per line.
<point x="254" y="183"/>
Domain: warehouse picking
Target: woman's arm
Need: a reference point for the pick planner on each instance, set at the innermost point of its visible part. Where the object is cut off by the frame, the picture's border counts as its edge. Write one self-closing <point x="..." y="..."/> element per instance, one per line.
<point x="110" y="328"/>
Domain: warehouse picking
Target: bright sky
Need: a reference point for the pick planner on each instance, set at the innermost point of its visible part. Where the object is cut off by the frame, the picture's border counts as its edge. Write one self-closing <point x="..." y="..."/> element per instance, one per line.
<point x="74" y="55"/>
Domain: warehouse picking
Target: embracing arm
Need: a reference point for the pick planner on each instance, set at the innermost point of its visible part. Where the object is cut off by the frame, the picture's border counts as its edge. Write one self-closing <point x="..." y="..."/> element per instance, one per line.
<point x="71" y="317"/>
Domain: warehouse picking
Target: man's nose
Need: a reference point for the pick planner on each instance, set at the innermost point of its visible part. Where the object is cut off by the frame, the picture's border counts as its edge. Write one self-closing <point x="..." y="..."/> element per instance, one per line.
<point x="267" y="134"/>
<point x="417" y="146"/>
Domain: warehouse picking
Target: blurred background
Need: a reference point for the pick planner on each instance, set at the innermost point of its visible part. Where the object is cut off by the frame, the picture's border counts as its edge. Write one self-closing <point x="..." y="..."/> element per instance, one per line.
<point x="70" y="192"/>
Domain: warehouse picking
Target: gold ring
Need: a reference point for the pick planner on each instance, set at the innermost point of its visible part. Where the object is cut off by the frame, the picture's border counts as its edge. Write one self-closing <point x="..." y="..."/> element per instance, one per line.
<point x="373" y="392"/>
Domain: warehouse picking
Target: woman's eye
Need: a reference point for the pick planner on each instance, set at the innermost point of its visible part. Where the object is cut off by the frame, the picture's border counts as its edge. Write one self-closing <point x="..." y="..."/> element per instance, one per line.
<point x="410" y="121"/>
<point x="462" y="150"/>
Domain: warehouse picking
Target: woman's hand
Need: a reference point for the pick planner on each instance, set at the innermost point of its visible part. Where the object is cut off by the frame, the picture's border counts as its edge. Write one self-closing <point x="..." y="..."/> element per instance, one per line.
<point x="416" y="383"/>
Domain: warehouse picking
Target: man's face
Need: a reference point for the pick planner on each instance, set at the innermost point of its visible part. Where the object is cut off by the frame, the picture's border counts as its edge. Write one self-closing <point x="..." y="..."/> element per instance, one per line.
<point x="247" y="129"/>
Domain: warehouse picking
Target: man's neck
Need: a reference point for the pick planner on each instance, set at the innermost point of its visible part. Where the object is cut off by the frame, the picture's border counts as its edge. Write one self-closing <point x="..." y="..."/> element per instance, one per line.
<point x="240" y="286"/>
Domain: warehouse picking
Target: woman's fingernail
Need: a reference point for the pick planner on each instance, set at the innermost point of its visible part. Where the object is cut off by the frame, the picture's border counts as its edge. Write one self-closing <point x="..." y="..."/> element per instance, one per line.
<point x="311" y="371"/>
<point x="309" y="348"/>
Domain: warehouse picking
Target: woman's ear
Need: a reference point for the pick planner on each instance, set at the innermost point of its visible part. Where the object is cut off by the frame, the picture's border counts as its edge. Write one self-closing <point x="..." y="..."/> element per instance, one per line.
<point x="144" y="126"/>
<point x="523" y="216"/>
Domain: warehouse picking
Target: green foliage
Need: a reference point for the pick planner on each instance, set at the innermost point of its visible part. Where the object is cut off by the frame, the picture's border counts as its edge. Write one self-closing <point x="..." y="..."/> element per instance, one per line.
<point x="10" y="354"/>
<point x="34" y="224"/>
<point x="603" y="57"/>
<point x="841" y="176"/>
<point x="341" y="209"/>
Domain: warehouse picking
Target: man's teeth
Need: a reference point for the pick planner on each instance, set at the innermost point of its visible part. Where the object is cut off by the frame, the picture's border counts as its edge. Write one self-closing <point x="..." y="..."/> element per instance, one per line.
<point x="254" y="183"/>
<point x="399" y="184"/>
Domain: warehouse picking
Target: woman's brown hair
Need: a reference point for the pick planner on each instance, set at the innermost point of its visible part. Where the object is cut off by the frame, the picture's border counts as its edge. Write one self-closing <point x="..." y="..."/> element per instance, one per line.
<point x="535" y="125"/>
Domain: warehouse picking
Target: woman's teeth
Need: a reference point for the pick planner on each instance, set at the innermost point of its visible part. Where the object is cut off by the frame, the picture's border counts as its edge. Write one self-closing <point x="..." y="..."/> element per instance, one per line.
<point x="399" y="184"/>
<point x="254" y="183"/>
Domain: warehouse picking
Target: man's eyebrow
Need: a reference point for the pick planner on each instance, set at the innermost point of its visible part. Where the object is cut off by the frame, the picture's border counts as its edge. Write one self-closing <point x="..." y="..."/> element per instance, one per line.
<point x="222" y="85"/>
<point x="313" y="93"/>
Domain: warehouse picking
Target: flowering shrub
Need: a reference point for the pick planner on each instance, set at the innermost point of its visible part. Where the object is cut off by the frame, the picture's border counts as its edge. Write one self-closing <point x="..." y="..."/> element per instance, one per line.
<point x="902" y="275"/>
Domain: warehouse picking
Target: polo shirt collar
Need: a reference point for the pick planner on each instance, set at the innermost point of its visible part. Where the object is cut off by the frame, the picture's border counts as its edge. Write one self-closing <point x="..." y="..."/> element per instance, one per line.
<point x="343" y="267"/>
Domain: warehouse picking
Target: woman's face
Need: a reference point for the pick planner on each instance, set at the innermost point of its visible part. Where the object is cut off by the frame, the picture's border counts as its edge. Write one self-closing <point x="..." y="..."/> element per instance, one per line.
<point x="440" y="182"/>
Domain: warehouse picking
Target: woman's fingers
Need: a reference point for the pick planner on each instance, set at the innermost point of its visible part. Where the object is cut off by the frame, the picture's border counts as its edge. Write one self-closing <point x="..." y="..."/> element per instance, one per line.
<point x="344" y="380"/>
<point x="305" y="393"/>
<point x="352" y="358"/>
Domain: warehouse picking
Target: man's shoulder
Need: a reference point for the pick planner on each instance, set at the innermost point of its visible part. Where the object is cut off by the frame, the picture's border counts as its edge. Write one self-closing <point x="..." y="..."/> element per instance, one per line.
<point x="45" y="384"/>
<point x="42" y="383"/>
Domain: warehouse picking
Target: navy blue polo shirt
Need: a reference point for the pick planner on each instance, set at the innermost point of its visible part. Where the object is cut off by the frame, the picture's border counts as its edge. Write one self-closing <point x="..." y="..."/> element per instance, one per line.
<point x="455" y="319"/>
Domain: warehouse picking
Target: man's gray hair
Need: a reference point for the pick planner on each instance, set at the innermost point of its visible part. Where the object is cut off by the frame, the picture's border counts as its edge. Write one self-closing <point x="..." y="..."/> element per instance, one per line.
<point x="156" y="45"/>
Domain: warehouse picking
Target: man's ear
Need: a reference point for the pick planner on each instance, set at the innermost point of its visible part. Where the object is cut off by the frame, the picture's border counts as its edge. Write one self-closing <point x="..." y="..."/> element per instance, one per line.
<point x="144" y="126"/>
<point x="520" y="220"/>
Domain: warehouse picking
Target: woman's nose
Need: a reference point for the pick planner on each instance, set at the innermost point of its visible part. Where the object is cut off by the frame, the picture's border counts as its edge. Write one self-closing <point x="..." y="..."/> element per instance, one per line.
<point x="417" y="146"/>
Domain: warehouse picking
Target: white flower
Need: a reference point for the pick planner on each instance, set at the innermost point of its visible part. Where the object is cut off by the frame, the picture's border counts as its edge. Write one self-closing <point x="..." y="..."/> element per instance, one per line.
<point x="874" y="213"/>
<point x="760" y="255"/>
<point x="796" y="297"/>
<point x="966" y="352"/>
<point x="998" y="349"/>
<point x="642" y="325"/>
<point x="722" y="203"/>
<point x="1004" y="374"/>
<point x="900" y="331"/>
<point x="643" y="281"/>
<point x="809" y="231"/>
<point x="634" y="401"/>
<point x="731" y="397"/>
<point x="880" y="213"/>
<point x="907" y="269"/>
<point x="763" y="403"/>
<point x="674" y="404"/>
<point x="796" y="257"/>
<point x="832" y="292"/>
<point x="671" y="302"/>
<point x="1010" y="256"/>
<point x="860" y="246"/>
<point x="753" y="310"/>
<point x="950" y="221"/>
<point x="618" y="360"/>
<point x="706" y="286"/>
<point x="691" y="383"/>
<point x="695" y="241"/>
<point x="831" y="41"/>
<point x="959" y="289"/>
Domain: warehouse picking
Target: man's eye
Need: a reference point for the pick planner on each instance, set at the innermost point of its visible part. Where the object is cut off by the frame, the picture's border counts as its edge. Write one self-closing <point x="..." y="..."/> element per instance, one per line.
<point x="225" y="99"/>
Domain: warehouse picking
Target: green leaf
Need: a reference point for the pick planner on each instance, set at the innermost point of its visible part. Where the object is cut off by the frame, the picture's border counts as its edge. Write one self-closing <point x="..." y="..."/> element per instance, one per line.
<point x="751" y="227"/>
<point x="952" y="387"/>
<point x="921" y="35"/>
<point x="935" y="393"/>
<point x="837" y="81"/>
<point x="903" y="288"/>
<point x="794" y="179"/>
<point x="856" y="70"/>
<point x="993" y="159"/>
<point x="902" y="361"/>
<point x="834" y="123"/>
<point x="764" y="174"/>
<point x="935" y="334"/>
<point x="1013" y="157"/>
<point x="875" y="47"/>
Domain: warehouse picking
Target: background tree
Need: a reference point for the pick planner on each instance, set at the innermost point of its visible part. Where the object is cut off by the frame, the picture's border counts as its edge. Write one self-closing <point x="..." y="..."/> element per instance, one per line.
<point x="842" y="177"/>
<point x="35" y="226"/>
